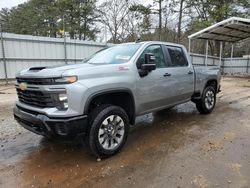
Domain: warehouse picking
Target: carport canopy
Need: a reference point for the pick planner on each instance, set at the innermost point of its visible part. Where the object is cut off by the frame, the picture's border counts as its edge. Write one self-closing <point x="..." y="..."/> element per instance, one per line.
<point x="232" y="30"/>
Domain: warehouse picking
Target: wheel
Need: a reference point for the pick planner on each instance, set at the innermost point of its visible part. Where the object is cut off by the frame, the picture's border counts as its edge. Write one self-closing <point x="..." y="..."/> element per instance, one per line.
<point x="108" y="131"/>
<point x="208" y="100"/>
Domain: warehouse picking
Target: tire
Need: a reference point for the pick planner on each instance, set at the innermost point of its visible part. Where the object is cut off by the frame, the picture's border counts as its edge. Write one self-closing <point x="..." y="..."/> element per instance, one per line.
<point x="108" y="131"/>
<point x="208" y="100"/>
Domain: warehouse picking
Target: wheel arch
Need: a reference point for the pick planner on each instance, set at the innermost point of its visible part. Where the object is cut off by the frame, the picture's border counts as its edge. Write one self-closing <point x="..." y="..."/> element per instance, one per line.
<point x="120" y="97"/>
<point x="197" y="95"/>
<point x="212" y="82"/>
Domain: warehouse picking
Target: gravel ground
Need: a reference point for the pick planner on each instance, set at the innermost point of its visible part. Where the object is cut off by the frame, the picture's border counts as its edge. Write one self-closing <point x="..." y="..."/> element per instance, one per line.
<point x="171" y="148"/>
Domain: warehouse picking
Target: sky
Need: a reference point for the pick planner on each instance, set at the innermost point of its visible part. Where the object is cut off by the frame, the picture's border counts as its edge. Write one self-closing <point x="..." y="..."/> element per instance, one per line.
<point x="10" y="3"/>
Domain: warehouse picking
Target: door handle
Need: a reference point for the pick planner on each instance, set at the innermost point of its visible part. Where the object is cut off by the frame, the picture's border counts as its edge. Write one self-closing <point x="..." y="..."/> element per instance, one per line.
<point x="166" y="74"/>
<point x="190" y="72"/>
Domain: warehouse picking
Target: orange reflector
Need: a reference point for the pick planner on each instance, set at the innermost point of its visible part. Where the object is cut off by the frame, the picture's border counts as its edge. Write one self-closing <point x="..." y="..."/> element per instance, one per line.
<point x="72" y="79"/>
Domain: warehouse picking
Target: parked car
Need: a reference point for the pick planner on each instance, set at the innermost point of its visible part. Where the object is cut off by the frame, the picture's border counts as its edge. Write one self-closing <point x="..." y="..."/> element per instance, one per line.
<point x="100" y="98"/>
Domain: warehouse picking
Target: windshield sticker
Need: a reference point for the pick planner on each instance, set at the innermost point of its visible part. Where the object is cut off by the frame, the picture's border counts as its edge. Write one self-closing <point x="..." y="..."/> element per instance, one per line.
<point x="122" y="57"/>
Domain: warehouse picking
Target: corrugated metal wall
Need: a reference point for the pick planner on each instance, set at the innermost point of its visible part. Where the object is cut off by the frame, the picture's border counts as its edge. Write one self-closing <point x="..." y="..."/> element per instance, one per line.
<point x="235" y="66"/>
<point x="22" y="51"/>
<point x="198" y="59"/>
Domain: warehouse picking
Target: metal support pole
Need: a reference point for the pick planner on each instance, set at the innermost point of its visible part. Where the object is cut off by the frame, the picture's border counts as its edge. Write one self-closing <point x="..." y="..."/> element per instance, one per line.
<point x="220" y="54"/>
<point x="232" y="52"/>
<point x="105" y="30"/>
<point x="189" y="45"/>
<point x="206" y="62"/>
<point x="4" y="58"/>
<point x="248" y="60"/>
<point x="64" y="43"/>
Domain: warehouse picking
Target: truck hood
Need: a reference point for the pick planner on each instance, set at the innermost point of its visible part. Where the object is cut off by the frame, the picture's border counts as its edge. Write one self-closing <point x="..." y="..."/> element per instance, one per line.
<point x="52" y="71"/>
<point x="83" y="71"/>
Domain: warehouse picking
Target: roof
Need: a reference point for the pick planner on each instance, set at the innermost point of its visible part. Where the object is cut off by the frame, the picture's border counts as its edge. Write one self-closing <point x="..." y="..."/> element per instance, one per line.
<point x="154" y="42"/>
<point x="232" y="30"/>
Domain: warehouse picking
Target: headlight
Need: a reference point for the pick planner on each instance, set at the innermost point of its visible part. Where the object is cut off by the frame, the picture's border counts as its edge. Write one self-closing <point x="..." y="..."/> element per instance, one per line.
<point x="63" y="102"/>
<point x="66" y="80"/>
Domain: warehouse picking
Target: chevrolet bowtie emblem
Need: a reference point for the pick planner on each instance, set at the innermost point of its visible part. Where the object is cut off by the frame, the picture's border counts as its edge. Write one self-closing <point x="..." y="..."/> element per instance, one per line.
<point x="23" y="86"/>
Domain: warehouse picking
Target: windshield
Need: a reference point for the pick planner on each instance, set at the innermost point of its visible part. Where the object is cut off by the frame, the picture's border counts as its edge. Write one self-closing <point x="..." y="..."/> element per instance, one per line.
<point x="114" y="55"/>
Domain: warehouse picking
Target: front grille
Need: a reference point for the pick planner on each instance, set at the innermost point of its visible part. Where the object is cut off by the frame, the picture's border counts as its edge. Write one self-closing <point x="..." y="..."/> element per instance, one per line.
<point x="36" y="81"/>
<point x="35" y="98"/>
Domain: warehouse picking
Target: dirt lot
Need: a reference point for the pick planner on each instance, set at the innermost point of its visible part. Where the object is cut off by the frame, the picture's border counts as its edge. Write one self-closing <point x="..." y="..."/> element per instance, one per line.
<point x="173" y="148"/>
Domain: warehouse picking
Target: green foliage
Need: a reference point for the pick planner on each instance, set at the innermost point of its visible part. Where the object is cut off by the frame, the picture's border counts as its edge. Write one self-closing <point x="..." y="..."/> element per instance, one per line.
<point x="5" y="19"/>
<point x="45" y="18"/>
<point x="142" y="14"/>
<point x="124" y="20"/>
<point x="79" y="17"/>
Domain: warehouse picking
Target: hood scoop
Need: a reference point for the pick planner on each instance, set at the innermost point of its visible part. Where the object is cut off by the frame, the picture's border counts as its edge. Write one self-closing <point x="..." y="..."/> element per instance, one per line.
<point x="37" y="68"/>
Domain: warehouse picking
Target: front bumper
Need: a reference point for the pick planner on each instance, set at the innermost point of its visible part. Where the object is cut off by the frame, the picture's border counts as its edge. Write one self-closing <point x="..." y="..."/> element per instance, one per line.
<point x="46" y="126"/>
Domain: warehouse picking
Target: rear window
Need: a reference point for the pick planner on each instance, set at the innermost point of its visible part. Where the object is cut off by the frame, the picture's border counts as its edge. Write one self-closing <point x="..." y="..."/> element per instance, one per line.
<point x="177" y="56"/>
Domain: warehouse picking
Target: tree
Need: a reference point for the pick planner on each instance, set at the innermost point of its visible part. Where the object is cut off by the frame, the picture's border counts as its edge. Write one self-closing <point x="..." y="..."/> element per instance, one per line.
<point x="36" y="17"/>
<point x="180" y="21"/>
<point x="140" y="19"/>
<point x="45" y="16"/>
<point x="42" y="18"/>
<point x="89" y="17"/>
<point x="5" y="19"/>
<point x="125" y="20"/>
<point x="79" y="17"/>
<point x="113" y="14"/>
<point x="158" y="11"/>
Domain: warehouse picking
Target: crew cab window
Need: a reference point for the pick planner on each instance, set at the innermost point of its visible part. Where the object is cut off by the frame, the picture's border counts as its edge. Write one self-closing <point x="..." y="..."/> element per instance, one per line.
<point x="177" y="56"/>
<point x="158" y="53"/>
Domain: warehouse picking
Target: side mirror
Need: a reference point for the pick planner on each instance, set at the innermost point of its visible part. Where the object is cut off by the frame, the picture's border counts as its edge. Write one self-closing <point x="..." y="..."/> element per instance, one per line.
<point x="148" y="67"/>
<point x="149" y="58"/>
<point x="149" y="63"/>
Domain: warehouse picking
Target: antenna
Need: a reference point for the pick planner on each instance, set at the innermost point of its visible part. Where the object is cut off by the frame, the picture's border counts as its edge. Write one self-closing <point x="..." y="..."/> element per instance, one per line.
<point x="138" y="40"/>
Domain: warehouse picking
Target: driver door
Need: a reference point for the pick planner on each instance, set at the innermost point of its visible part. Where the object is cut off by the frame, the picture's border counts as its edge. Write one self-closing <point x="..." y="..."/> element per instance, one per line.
<point x="154" y="91"/>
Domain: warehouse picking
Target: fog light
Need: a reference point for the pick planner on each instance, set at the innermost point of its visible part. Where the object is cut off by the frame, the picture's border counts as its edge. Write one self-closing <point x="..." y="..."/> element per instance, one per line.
<point x="63" y="97"/>
<point x="63" y="101"/>
<point x="65" y="105"/>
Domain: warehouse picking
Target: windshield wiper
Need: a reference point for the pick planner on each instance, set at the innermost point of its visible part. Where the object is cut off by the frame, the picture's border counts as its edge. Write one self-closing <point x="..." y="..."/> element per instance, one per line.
<point x="98" y="63"/>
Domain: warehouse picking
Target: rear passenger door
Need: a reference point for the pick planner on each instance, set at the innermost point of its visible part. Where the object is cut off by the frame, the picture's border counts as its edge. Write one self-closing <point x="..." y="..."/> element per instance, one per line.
<point x="181" y="73"/>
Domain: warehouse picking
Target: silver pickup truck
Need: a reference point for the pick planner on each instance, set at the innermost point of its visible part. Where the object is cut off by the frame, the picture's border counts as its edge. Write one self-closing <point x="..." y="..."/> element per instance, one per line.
<point x="99" y="99"/>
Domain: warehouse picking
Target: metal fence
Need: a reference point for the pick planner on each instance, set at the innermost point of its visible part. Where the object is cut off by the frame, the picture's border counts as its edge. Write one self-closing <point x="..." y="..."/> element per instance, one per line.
<point x="18" y="52"/>
<point x="237" y="66"/>
<point x="234" y="66"/>
<point x="198" y="59"/>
